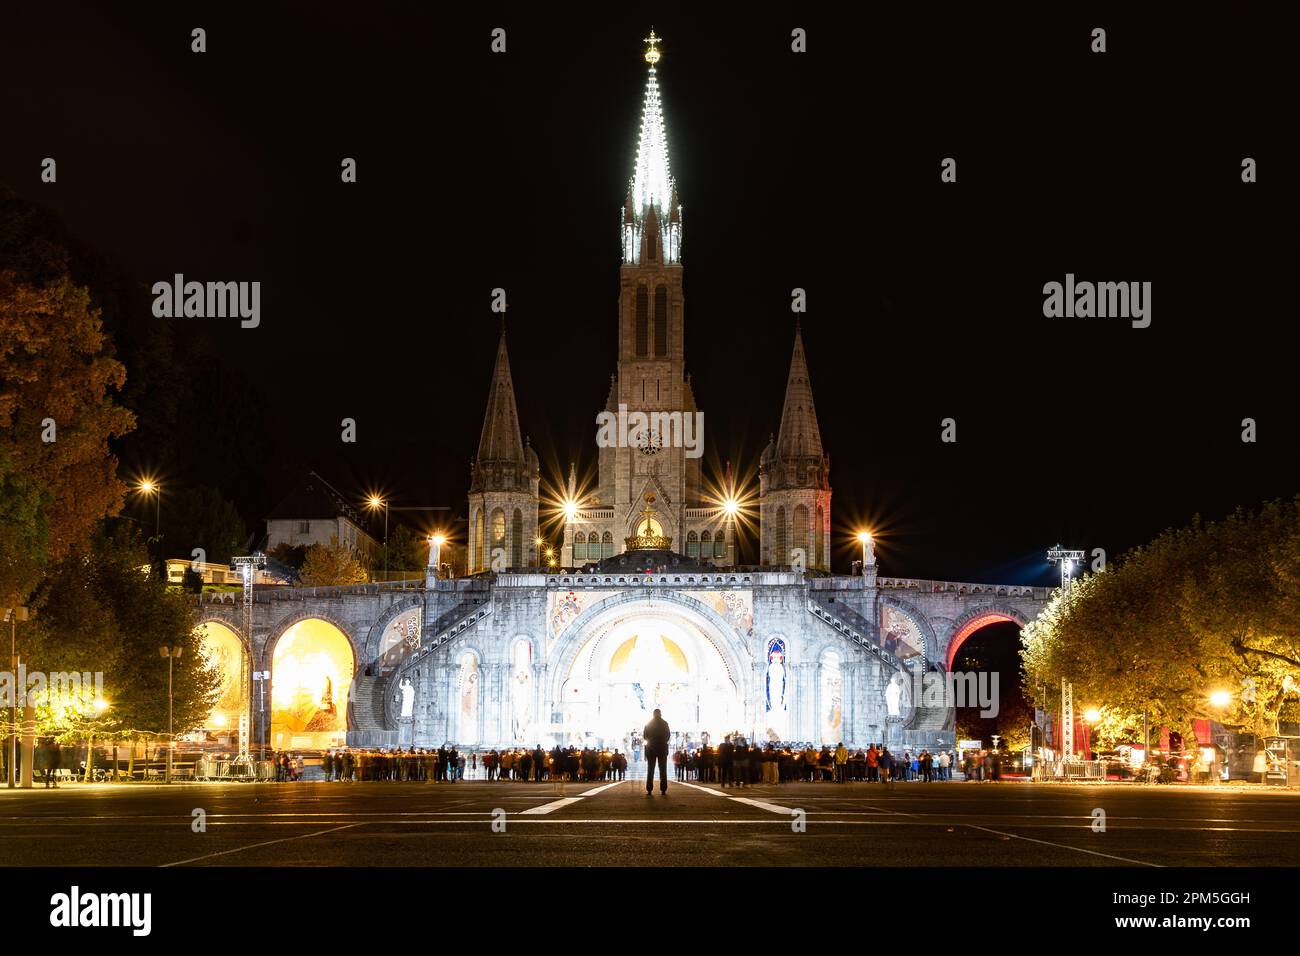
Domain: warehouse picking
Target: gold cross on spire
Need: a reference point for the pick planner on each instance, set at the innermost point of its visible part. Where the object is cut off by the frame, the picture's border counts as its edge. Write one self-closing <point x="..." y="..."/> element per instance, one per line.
<point x="652" y="51"/>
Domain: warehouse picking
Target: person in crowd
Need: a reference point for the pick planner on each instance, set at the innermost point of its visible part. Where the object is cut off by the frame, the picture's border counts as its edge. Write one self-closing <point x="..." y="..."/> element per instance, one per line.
<point x="841" y="761"/>
<point x="656" y="735"/>
<point x="46" y="760"/>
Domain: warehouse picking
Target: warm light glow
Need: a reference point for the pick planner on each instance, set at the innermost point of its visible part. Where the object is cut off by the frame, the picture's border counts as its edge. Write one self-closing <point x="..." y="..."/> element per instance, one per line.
<point x="864" y="536"/>
<point x="101" y="705"/>
<point x="570" y="508"/>
<point x="223" y="651"/>
<point x="147" y="486"/>
<point x="1221" y="698"/>
<point x="438" y="539"/>
<point x="311" y="671"/>
<point x="731" y="505"/>
<point x="1092" y="715"/>
<point x="375" y="502"/>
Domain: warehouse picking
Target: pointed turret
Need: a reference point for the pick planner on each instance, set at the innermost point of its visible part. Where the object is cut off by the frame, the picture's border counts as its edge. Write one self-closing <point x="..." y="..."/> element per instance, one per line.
<point x="794" y="479"/>
<point x="799" y="436"/>
<point x="504" y="481"/>
<point x="501" y="439"/>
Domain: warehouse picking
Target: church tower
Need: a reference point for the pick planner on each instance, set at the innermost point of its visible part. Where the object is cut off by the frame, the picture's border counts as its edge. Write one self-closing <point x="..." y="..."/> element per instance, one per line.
<point x="794" y="480"/>
<point x="656" y="454"/>
<point x="504" y="480"/>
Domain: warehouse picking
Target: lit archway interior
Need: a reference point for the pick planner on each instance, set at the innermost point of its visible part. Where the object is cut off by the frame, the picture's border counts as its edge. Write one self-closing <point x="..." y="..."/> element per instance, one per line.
<point x="223" y="650"/>
<point x="973" y="625"/>
<point x="634" y="664"/>
<point x="311" y="671"/>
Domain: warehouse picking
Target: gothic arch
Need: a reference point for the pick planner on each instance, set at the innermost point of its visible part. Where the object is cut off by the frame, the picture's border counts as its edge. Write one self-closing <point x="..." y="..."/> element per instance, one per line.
<point x="714" y="629"/>
<point x="209" y="616"/>
<point x="927" y="630"/>
<point x="277" y="632"/>
<point x="375" y="636"/>
<point x="975" y="618"/>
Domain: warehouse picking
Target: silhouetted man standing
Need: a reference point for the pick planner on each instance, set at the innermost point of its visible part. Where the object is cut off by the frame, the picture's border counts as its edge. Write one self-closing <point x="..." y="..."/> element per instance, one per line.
<point x="656" y="736"/>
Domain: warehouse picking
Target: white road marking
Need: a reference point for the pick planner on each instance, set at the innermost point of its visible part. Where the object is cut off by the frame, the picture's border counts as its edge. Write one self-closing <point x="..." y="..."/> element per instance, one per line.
<point x="552" y="806"/>
<point x="254" y="846"/>
<point x="769" y="807"/>
<point x="565" y="801"/>
<point x="1109" y="856"/>
<point x="1016" y="836"/>
<point x="696" y="786"/>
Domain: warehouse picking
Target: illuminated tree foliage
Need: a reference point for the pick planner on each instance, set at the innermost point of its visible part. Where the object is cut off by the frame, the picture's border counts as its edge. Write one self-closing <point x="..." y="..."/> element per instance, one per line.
<point x="1203" y="609"/>
<point x="57" y="415"/>
<point x="332" y="564"/>
<point x="101" y="612"/>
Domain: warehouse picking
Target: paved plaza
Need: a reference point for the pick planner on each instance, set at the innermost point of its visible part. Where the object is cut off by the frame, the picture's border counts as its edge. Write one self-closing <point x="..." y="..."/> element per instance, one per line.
<point x="616" y="824"/>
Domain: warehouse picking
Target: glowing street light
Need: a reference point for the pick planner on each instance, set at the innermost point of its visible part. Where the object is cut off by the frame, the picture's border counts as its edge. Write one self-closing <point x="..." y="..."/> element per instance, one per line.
<point x="375" y="503"/>
<point x="1221" y="698"/>
<point x="150" y="488"/>
<point x="1092" y="715"/>
<point x="436" y="541"/>
<point x="868" y="550"/>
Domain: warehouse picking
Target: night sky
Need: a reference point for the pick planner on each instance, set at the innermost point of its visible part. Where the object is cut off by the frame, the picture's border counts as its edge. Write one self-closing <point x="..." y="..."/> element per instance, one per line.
<point x="819" y="171"/>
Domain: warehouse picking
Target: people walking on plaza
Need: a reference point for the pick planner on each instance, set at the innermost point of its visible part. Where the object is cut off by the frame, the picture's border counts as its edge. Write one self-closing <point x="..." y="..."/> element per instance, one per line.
<point x="944" y="765"/>
<point x="656" y="736"/>
<point x="46" y="760"/>
<point x="841" y="761"/>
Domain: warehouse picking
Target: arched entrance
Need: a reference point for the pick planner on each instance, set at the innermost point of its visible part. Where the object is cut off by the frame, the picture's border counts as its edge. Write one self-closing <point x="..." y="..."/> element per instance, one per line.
<point x="990" y="705"/>
<point x="976" y="619"/>
<point x="224" y="651"/>
<point x="312" y="667"/>
<point x="633" y="654"/>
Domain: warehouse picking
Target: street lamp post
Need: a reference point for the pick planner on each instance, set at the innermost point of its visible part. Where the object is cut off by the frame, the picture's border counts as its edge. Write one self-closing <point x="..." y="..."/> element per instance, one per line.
<point x="868" y="555"/>
<point x="151" y="488"/>
<point x="436" y="541"/>
<point x="261" y="677"/>
<point x="14" y="614"/>
<point x="172" y="654"/>
<point x="378" y="502"/>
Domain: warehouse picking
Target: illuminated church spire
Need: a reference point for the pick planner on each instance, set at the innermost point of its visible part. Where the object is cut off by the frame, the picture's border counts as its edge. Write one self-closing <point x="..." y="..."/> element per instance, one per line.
<point x="652" y="195"/>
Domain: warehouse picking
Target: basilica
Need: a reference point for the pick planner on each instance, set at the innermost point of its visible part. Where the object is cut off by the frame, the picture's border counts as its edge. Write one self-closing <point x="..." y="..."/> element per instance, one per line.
<point x="658" y="459"/>
<point x="641" y="602"/>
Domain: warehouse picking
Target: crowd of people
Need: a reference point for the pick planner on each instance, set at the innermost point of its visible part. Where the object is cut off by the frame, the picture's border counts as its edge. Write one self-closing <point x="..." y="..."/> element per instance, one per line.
<point x="734" y="762"/>
<point x="447" y="764"/>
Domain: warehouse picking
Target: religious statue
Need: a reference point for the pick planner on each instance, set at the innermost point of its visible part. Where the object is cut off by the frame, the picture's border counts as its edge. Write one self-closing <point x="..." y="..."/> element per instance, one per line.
<point x="776" y="679"/>
<point x="898" y="696"/>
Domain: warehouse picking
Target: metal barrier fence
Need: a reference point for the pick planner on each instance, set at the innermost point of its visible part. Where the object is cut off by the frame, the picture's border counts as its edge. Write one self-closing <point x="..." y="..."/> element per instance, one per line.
<point x="1052" y="770"/>
<point x="231" y="770"/>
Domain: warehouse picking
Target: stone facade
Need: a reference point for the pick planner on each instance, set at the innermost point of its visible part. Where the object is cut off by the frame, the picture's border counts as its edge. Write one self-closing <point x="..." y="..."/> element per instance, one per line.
<point x="652" y="610"/>
<point x="824" y="624"/>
